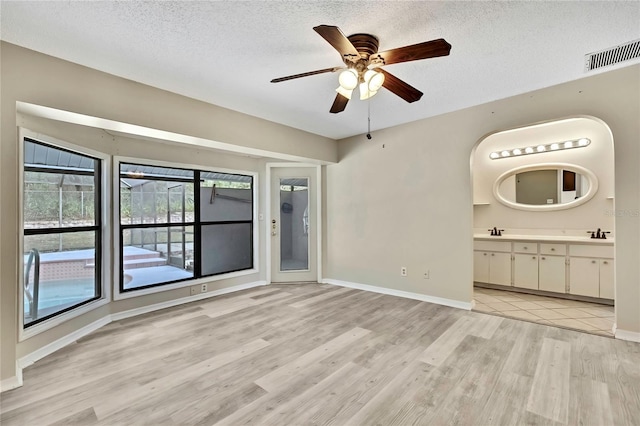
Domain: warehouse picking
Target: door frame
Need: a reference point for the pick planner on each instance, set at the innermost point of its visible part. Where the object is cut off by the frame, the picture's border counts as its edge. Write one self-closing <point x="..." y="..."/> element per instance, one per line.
<point x="267" y="221"/>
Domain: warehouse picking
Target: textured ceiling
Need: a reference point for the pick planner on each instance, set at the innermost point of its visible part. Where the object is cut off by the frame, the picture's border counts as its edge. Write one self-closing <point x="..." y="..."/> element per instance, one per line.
<point x="226" y="52"/>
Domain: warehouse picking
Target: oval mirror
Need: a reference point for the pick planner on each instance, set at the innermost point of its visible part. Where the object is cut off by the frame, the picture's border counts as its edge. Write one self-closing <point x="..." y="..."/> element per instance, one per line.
<point x="545" y="187"/>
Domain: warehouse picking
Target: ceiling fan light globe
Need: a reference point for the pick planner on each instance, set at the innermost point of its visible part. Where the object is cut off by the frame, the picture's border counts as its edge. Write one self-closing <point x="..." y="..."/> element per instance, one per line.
<point x="365" y="93"/>
<point x="348" y="79"/>
<point x="374" y="79"/>
<point x="344" y="92"/>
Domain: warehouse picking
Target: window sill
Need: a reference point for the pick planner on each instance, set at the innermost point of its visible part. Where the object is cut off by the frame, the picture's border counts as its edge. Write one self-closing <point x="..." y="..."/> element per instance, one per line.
<point x="30" y="332"/>
<point x="182" y="284"/>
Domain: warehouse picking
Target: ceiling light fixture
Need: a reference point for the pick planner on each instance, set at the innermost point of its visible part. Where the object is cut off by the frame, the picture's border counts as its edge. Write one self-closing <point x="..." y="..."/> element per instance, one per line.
<point x="348" y="80"/>
<point x="577" y="143"/>
<point x="370" y="81"/>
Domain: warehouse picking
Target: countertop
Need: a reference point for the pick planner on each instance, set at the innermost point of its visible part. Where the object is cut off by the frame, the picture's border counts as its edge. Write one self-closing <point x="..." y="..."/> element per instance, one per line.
<point x="545" y="238"/>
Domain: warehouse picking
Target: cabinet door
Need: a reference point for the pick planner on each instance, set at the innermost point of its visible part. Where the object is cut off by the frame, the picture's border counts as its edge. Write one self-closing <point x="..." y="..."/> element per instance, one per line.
<point x="525" y="271"/>
<point x="481" y="266"/>
<point x="606" y="279"/>
<point x="552" y="272"/>
<point x="584" y="276"/>
<point x="500" y="268"/>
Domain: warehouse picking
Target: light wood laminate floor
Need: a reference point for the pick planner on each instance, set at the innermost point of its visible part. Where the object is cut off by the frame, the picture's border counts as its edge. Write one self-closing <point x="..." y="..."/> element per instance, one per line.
<point x="316" y="354"/>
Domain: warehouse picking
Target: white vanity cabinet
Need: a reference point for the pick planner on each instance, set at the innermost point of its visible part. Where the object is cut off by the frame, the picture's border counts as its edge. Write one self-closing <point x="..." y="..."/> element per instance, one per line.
<point x="492" y="262"/>
<point x="525" y="265"/>
<point x="606" y="279"/>
<point x="591" y="271"/>
<point x="560" y="266"/>
<point x="552" y="269"/>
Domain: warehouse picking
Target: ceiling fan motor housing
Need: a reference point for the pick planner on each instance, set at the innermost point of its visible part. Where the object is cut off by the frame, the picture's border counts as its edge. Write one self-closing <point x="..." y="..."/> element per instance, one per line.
<point x="365" y="44"/>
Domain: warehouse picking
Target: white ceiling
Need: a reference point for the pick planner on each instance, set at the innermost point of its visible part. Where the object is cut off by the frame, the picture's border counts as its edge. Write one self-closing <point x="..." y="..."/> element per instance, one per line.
<point x="226" y="52"/>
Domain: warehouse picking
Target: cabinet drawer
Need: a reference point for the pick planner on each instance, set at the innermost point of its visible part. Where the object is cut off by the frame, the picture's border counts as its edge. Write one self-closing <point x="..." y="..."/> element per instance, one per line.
<point x="525" y="247"/>
<point x="501" y="246"/>
<point x="585" y="250"/>
<point x="559" y="249"/>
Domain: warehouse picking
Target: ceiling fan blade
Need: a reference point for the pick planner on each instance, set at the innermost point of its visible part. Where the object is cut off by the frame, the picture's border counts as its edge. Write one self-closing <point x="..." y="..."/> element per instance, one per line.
<point x="305" y="74"/>
<point x="400" y="88"/>
<point x="339" y="104"/>
<point x="425" y="50"/>
<point x="339" y="41"/>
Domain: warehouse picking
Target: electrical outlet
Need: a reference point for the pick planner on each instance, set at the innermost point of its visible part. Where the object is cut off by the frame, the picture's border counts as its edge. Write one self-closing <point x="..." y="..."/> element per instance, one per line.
<point x="203" y="288"/>
<point x="426" y="275"/>
<point x="403" y="271"/>
<point x="194" y="290"/>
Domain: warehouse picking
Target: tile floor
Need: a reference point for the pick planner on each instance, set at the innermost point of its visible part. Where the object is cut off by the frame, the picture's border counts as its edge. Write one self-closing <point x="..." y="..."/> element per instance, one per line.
<point x="583" y="316"/>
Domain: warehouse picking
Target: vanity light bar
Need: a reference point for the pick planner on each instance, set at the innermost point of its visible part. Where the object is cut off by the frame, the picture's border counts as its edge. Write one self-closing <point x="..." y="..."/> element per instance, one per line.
<point x="556" y="146"/>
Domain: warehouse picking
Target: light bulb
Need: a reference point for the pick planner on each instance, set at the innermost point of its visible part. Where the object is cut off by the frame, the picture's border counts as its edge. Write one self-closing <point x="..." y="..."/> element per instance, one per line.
<point x="555" y="146"/>
<point x="348" y="79"/>
<point x="505" y="153"/>
<point x="541" y="148"/>
<point x="583" y="142"/>
<point x="494" y="155"/>
<point x="528" y="150"/>
<point x="568" y="144"/>
<point x="517" y="151"/>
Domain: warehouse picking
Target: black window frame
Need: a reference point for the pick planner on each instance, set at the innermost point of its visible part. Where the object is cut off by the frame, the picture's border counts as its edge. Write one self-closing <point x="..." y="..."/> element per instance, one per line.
<point x="97" y="228"/>
<point x="197" y="224"/>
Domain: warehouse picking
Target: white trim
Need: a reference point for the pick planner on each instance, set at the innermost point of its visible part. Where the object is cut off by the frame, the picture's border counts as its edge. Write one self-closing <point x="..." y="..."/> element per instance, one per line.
<point x="148" y="132"/>
<point x="181" y="284"/>
<point x="319" y="222"/>
<point x="38" y="354"/>
<point x="593" y="186"/>
<point x="60" y="319"/>
<point x="12" y="382"/>
<point x="117" y="294"/>
<point x="267" y="224"/>
<point x="631" y="336"/>
<point x="267" y="234"/>
<point x="24" y="334"/>
<point x="400" y="293"/>
<point x="175" y="302"/>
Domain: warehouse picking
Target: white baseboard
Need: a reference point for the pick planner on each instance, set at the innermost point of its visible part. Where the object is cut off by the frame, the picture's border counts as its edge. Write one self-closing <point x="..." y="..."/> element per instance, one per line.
<point x="631" y="336"/>
<point x="27" y="360"/>
<point x="175" y="302"/>
<point x="400" y="293"/>
<point x="38" y="354"/>
<point x="12" y="382"/>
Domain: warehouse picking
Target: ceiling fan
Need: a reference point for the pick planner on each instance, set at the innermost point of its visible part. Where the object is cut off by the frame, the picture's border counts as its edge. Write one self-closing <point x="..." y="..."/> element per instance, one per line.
<point x="360" y="54"/>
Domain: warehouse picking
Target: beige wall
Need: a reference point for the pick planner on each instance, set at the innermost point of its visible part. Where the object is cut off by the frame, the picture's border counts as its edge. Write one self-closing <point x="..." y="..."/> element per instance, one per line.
<point x="31" y="77"/>
<point x="401" y="199"/>
<point x="404" y="198"/>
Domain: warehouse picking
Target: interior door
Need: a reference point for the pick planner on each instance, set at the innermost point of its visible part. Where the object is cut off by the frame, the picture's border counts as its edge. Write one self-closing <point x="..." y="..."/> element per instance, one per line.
<point x="293" y="224"/>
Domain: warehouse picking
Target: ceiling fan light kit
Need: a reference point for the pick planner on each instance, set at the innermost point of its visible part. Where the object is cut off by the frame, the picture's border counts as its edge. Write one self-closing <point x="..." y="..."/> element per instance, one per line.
<point x="360" y="54"/>
<point x="369" y="83"/>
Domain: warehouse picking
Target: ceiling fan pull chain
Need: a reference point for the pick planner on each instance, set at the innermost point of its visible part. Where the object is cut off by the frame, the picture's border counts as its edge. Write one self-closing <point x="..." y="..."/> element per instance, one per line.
<point x="369" y="118"/>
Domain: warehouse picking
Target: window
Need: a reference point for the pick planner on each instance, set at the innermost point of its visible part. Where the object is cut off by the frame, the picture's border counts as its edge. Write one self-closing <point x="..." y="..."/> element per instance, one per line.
<point x="62" y="231"/>
<point x="181" y="224"/>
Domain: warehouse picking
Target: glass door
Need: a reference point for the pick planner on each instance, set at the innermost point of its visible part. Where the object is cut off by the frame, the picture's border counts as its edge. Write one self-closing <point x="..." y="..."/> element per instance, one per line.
<point x="293" y="230"/>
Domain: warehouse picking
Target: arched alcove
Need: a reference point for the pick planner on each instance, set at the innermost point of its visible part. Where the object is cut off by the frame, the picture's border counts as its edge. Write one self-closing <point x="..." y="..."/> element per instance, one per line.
<point x="572" y="158"/>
